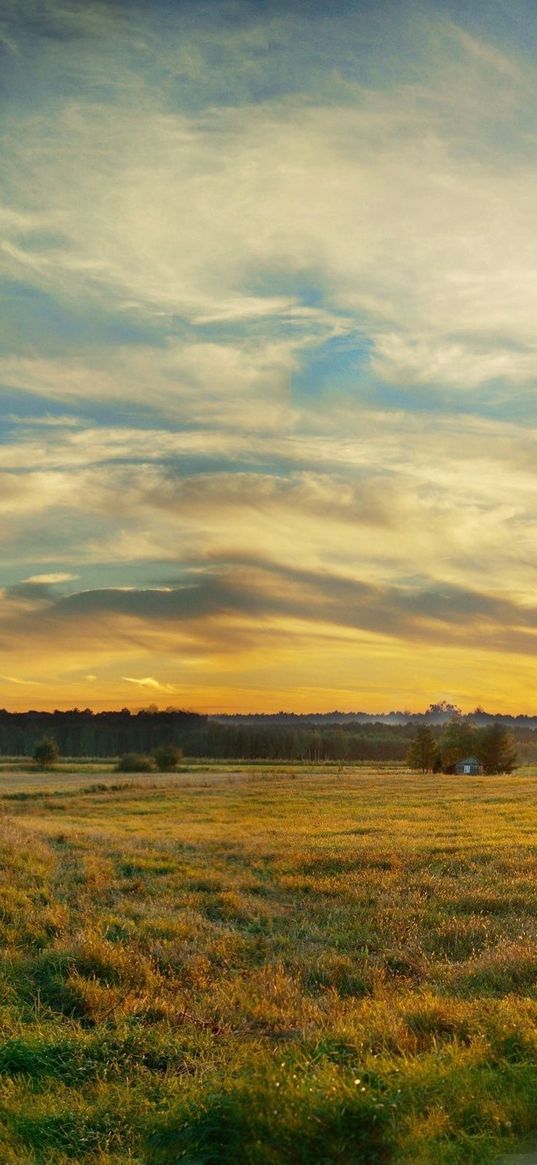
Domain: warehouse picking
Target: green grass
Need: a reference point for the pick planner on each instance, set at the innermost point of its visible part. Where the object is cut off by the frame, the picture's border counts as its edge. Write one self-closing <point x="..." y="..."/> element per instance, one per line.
<point x="267" y="966"/>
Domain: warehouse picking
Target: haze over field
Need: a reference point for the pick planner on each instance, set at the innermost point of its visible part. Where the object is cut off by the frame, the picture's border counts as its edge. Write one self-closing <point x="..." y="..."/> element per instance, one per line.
<point x="268" y="355"/>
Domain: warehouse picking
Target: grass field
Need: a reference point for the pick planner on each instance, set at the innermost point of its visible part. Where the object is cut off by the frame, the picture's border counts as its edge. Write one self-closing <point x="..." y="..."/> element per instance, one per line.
<point x="251" y="967"/>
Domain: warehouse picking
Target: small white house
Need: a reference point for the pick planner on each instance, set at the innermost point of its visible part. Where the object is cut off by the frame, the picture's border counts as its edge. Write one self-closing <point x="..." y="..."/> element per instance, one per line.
<point x="469" y="766"/>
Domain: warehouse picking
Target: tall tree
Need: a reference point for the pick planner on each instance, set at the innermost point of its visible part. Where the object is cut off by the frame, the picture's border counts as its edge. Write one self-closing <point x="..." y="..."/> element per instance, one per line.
<point x="496" y="749"/>
<point x="422" y="751"/>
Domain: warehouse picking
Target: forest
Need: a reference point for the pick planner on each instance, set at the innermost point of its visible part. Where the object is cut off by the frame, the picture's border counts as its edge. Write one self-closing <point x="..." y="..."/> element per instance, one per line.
<point x="79" y="733"/>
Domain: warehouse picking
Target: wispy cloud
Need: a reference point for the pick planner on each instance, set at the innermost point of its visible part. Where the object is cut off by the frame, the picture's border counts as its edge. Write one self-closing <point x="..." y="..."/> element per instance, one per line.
<point x="416" y="184"/>
<point x="237" y="604"/>
<point x="50" y="579"/>
<point x="149" y="682"/>
<point x="236" y="386"/>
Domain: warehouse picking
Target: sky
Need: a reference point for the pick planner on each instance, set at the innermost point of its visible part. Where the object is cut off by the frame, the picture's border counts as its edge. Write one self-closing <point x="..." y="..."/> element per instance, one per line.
<point x="268" y="354"/>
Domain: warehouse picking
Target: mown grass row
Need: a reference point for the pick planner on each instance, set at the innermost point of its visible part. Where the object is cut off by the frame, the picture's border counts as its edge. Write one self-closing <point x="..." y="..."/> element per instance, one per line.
<point x="291" y="968"/>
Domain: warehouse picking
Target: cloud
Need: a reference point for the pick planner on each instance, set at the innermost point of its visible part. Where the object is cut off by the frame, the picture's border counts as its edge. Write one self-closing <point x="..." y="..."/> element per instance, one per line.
<point x="16" y="680"/>
<point x="377" y="196"/>
<point x="251" y="617"/>
<point x="235" y="386"/>
<point x="349" y="500"/>
<point x="484" y="53"/>
<point x="235" y="605"/>
<point x="426" y="362"/>
<point x="50" y="579"/>
<point x="149" y="682"/>
<point x="33" y="422"/>
<point x="395" y="206"/>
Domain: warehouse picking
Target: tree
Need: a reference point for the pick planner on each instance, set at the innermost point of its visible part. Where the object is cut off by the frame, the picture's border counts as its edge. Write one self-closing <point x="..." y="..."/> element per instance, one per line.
<point x="46" y="753"/>
<point x="167" y="757"/>
<point x="443" y="710"/>
<point x="496" y="749"/>
<point x="459" y="739"/>
<point x="422" y="751"/>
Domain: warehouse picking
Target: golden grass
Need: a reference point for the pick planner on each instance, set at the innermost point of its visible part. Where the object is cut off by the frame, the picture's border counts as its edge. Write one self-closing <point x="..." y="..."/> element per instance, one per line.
<point x="285" y="965"/>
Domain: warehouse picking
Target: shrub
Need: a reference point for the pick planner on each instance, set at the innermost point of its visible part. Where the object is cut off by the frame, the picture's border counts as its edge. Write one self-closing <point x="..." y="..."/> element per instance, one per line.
<point x="167" y="757"/>
<point x="134" y="762"/>
<point x="46" y="753"/>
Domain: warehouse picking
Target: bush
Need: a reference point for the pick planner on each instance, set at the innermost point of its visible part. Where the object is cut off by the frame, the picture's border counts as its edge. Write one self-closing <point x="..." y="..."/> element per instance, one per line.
<point x="135" y="762"/>
<point x="167" y="757"/>
<point x="46" y="753"/>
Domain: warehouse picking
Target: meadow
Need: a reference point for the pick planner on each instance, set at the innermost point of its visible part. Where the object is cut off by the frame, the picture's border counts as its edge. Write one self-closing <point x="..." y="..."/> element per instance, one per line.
<point x="267" y="965"/>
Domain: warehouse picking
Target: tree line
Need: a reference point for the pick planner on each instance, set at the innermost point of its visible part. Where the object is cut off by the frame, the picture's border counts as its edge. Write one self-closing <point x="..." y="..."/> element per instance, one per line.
<point x="79" y="733"/>
<point x="108" y="734"/>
